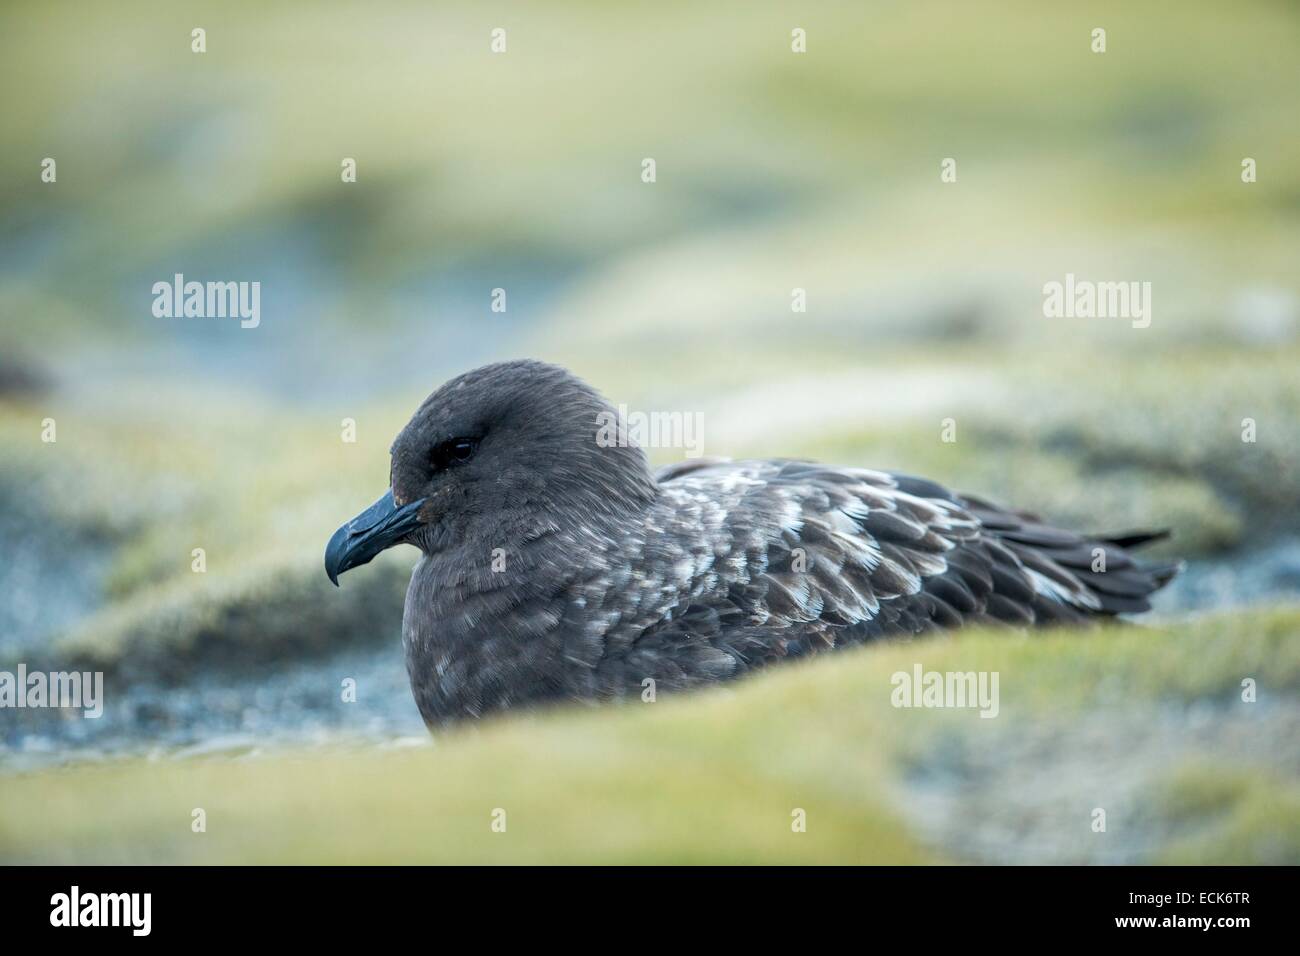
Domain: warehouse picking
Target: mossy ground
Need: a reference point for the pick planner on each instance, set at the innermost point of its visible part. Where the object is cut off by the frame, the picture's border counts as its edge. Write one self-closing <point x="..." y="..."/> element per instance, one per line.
<point x="715" y="777"/>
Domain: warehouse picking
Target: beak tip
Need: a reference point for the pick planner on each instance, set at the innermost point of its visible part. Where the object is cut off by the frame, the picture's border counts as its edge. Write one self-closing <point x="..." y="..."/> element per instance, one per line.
<point x="377" y="528"/>
<point x="334" y="555"/>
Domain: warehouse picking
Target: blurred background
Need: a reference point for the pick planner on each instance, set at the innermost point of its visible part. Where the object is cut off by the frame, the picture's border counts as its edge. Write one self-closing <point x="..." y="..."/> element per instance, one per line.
<point x="522" y="171"/>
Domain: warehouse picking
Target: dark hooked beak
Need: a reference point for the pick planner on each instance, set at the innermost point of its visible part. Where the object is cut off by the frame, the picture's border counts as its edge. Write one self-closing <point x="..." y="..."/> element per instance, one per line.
<point x="380" y="526"/>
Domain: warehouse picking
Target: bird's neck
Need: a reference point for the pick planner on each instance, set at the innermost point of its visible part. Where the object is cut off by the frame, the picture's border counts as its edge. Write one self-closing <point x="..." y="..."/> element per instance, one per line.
<point x="496" y="624"/>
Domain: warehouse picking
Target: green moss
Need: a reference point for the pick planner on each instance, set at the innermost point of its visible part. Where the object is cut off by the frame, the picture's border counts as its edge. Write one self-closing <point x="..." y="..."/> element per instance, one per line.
<point x="711" y="777"/>
<point x="269" y="611"/>
<point x="1231" y="815"/>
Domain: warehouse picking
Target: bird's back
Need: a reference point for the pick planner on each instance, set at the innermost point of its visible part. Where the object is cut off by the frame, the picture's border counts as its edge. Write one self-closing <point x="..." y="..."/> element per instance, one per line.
<point x="741" y="564"/>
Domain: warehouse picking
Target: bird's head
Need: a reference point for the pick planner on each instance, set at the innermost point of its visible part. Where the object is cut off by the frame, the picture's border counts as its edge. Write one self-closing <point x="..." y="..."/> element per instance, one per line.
<point x="504" y="453"/>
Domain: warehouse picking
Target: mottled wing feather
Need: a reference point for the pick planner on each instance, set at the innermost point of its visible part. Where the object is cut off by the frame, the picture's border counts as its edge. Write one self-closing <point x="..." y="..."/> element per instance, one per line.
<point x="743" y="563"/>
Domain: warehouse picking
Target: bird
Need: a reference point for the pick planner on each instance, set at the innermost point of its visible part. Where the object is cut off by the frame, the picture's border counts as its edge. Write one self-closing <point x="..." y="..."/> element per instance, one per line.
<point x="555" y="565"/>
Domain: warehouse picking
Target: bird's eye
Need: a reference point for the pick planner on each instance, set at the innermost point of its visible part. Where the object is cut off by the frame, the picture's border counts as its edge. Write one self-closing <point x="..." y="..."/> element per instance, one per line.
<point x="454" y="451"/>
